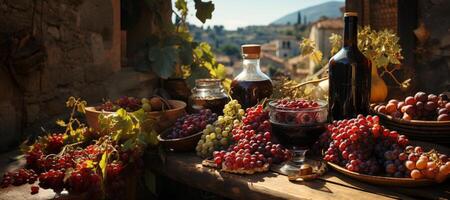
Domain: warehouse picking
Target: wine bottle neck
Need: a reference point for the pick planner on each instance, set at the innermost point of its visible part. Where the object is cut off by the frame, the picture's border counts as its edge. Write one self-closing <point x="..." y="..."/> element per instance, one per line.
<point x="350" y="31"/>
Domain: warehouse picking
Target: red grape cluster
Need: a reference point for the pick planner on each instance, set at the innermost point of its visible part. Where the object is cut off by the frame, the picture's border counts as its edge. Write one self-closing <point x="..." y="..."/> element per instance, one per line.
<point x="82" y="180"/>
<point x="130" y="104"/>
<point x="113" y="170"/>
<point x="54" y="143"/>
<point x="19" y="177"/>
<point x="33" y="155"/>
<point x="190" y="124"/>
<point x="296" y="104"/>
<point x="419" y="107"/>
<point x="363" y="145"/>
<point x="253" y="148"/>
<point x="53" y="179"/>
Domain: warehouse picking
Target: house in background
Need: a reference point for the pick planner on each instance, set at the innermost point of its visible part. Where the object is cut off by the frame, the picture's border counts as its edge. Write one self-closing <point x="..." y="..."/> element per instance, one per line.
<point x="320" y="34"/>
<point x="283" y="47"/>
<point x="269" y="48"/>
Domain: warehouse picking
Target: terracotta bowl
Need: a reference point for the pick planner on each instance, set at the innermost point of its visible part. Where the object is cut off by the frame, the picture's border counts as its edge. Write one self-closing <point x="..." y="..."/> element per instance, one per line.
<point x="166" y="118"/>
<point x="179" y="144"/>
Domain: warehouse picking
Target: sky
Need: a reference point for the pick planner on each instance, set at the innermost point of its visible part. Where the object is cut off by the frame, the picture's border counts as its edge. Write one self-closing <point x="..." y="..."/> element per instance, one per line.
<point x="240" y="13"/>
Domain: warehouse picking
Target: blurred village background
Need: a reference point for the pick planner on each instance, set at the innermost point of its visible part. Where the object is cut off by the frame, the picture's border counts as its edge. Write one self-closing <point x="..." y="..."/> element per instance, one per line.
<point x="279" y="39"/>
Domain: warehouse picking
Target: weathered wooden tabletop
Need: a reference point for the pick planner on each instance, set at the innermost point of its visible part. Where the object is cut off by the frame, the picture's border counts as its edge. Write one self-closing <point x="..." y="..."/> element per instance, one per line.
<point x="186" y="168"/>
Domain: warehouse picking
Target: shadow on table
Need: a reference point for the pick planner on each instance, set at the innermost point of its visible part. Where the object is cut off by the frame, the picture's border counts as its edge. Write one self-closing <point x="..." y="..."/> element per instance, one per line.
<point x="314" y="184"/>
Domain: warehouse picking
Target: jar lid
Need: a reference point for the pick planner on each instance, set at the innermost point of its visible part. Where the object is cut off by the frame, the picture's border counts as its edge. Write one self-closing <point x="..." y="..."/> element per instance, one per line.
<point x="251" y="51"/>
<point x="207" y="82"/>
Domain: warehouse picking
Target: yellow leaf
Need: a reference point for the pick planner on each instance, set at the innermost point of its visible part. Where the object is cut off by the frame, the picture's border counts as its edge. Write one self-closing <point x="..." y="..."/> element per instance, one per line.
<point x="103" y="162"/>
<point x="89" y="164"/>
<point x="316" y="57"/>
<point x="70" y="102"/>
<point x="61" y="123"/>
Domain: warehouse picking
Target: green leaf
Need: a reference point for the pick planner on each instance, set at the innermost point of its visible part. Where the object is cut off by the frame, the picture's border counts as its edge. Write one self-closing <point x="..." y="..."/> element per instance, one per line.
<point x="129" y="144"/>
<point x="103" y="162"/>
<point x="218" y="72"/>
<point x="204" y="10"/>
<point x="181" y="5"/>
<point x="61" y="123"/>
<point x="163" y="60"/>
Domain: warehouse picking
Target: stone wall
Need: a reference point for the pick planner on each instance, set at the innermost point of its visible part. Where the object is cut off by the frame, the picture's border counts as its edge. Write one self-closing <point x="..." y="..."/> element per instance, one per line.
<point x="79" y="43"/>
<point x="433" y="66"/>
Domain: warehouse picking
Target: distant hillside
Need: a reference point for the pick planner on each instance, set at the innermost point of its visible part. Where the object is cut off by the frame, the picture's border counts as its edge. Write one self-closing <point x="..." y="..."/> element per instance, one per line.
<point x="313" y="13"/>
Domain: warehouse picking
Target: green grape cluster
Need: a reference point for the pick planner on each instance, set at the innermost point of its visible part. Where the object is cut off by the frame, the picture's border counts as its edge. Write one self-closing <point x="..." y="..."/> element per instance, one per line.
<point x="217" y="136"/>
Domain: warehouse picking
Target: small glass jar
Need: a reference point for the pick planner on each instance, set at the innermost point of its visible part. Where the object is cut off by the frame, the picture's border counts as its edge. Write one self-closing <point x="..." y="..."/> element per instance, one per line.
<point x="208" y="94"/>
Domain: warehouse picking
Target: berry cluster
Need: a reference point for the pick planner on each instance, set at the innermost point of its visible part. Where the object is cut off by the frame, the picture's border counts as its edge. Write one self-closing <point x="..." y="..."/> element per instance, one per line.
<point x="54" y="142"/>
<point x="82" y="180"/>
<point x="431" y="165"/>
<point x="18" y="177"/>
<point x="297" y="112"/>
<point x="419" y="107"/>
<point x="363" y="145"/>
<point x="253" y="149"/>
<point x="130" y="104"/>
<point x="217" y="136"/>
<point x="296" y="104"/>
<point x="53" y="179"/>
<point x="190" y="124"/>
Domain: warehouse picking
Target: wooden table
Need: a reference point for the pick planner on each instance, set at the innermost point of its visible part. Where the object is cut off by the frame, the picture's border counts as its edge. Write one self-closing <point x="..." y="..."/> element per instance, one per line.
<point x="186" y="168"/>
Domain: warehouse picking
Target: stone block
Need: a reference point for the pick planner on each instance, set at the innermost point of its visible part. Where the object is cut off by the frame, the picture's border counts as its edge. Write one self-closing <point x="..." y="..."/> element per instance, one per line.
<point x="55" y="106"/>
<point x="97" y="48"/>
<point x="47" y="82"/>
<point x="97" y="73"/>
<point x="54" y="55"/>
<point x="9" y="126"/>
<point x="22" y="4"/>
<point x="131" y="83"/>
<point x="32" y="111"/>
<point x="94" y="92"/>
<point x="54" y="32"/>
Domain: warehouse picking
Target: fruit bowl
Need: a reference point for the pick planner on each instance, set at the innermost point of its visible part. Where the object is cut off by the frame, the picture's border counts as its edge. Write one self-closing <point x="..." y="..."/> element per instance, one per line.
<point x="392" y="181"/>
<point x="187" y="143"/>
<point x="421" y="117"/>
<point x="166" y="117"/>
<point x="298" y="125"/>
<point x="431" y="131"/>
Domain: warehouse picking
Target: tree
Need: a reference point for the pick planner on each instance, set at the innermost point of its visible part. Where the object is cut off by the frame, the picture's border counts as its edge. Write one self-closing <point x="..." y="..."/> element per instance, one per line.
<point x="230" y="50"/>
<point x="299" y="18"/>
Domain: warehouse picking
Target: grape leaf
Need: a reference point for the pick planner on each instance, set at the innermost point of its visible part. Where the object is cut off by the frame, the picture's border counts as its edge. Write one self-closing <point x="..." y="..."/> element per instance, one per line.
<point x="70" y="102"/>
<point x="61" y="123"/>
<point x="219" y="72"/>
<point x="181" y="5"/>
<point x="316" y="56"/>
<point x="204" y="10"/>
<point x="163" y="60"/>
<point x="102" y="164"/>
